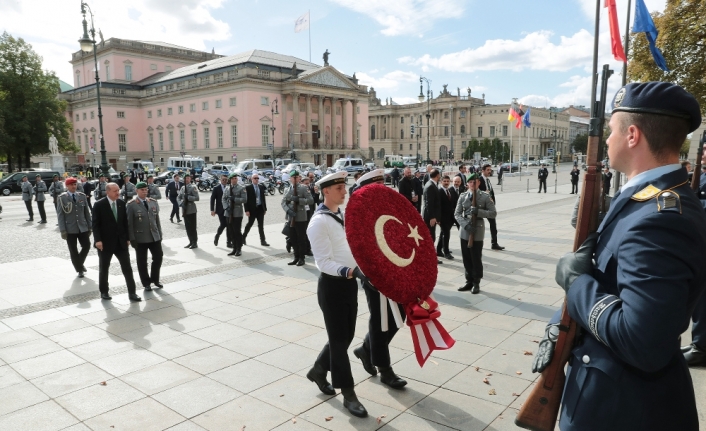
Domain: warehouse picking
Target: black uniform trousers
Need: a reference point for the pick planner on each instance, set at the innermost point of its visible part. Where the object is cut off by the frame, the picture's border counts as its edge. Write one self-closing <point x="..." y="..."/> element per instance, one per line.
<point x="155" y="249"/>
<point x="574" y="187"/>
<point x="175" y="209"/>
<point x="442" y="247"/>
<point x="298" y="239"/>
<point x="42" y="213"/>
<point x="28" y="204"/>
<point x="78" y="258"/>
<point x="542" y="183"/>
<point x="338" y="299"/>
<point x="223" y="226"/>
<point x="235" y="231"/>
<point x="259" y="215"/>
<point x="190" y="225"/>
<point x="123" y="256"/>
<point x="493" y="230"/>
<point x="472" y="260"/>
<point x="376" y="341"/>
<point x="698" y="331"/>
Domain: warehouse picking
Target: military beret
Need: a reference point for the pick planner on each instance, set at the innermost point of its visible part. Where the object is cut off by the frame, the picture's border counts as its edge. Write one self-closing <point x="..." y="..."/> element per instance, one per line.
<point x="37" y="176"/>
<point x="55" y="176"/>
<point x="661" y="98"/>
<point x="187" y="175"/>
<point x="24" y="176"/>
<point x="101" y="175"/>
<point x="473" y="176"/>
<point x="70" y="180"/>
<point x="233" y="175"/>
<point x="141" y="185"/>
<point x="126" y="175"/>
<point x="150" y="176"/>
<point x="294" y="173"/>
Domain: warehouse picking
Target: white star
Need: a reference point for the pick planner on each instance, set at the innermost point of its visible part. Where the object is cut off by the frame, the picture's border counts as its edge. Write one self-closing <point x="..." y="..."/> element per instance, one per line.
<point x="414" y="234"/>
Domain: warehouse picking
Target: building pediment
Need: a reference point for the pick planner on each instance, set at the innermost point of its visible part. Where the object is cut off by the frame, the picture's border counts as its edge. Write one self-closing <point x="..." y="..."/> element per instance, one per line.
<point x="78" y="131"/>
<point x="169" y="126"/>
<point x="181" y="125"/>
<point x="149" y="129"/>
<point x="232" y="120"/>
<point x="205" y="122"/>
<point x="265" y="118"/>
<point x="93" y="129"/>
<point x="160" y="127"/>
<point x="193" y="124"/>
<point x="329" y="77"/>
<point x="85" y="130"/>
<point x="218" y="121"/>
<point x="121" y="129"/>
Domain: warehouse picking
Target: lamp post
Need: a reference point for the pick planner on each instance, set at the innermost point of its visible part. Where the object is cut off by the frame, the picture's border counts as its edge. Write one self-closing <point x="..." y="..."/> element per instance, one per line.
<point x="421" y="99"/>
<point x="88" y="44"/>
<point x="554" y="136"/>
<point x="275" y="111"/>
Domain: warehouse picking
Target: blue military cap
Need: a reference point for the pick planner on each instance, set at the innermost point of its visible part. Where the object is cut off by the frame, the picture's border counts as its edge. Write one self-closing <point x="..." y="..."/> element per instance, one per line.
<point x="661" y="98"/>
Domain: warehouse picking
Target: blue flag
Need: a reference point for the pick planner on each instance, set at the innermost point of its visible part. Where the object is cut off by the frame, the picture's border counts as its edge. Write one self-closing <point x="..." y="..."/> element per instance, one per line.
<point x="526" y="118"/>
<point x="644" y="24"/>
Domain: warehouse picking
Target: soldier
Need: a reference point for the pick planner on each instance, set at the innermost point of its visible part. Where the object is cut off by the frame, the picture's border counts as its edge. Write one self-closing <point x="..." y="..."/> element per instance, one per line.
<point x="153" y="191"/>
<point x="187" y="197"/>
<point x="75" y="224"/>
<point x="27" y="193"/>
<point x="128" y="190"/>
<point x="99" y="192"/>
<point x="87" y="190"/>
<point x="234" y="196"/>
<point x="542" y="175"/>
<point x="294" y="204"/>
<point x="39" y="189"/>
<point x="337" y="292"/>
<point x="55" y="189"/>
<point x="484" y="208"/>
<point x="145" y="232"/>
<point x="375" y="351"/>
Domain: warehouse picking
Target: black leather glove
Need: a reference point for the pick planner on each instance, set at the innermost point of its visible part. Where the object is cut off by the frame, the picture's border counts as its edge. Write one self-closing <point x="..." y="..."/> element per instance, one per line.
<point x="468" y="227"/>
<point x="546" y="348"/>
<point x="64" y="235"/>
<point x="572" y="265"/>
<point x="474" y="210"/>
<point x="357" y="273"/>
<point x="291" y="213"/>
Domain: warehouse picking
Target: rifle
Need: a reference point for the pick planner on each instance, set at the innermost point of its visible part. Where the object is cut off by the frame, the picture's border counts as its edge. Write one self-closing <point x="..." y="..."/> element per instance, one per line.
<point x="696" y="175"/>
<point x="541" y="409"/>
<point x="186" y="200"/>
<point x="296" y="204"/>
<point x="232" y="205"/>
<point x="474" y="218"/>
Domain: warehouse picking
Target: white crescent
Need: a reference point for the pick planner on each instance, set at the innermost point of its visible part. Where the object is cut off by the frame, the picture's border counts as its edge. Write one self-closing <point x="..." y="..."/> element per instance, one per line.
<point x="382" y="242"/>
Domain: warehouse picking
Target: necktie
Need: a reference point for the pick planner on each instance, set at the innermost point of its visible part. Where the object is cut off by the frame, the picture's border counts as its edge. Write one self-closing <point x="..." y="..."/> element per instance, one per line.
<point x="73" y="196"/>
<point x="490" y="187"/>
<point x="146" y="207"/>
<point x="115" y="211"/>
<point x="448" y="195"/>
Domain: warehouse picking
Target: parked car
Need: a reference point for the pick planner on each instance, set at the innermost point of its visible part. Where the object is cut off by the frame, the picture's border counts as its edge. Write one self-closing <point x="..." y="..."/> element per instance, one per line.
<point x="506" y="167"/>
<point x="388" y="175"/>
<point x="11" y="183"/>
<point x="164" y="178"/>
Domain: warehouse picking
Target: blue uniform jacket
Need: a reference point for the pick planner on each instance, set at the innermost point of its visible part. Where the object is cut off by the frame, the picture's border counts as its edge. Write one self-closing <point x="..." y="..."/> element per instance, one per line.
<point x="627" y="372"/>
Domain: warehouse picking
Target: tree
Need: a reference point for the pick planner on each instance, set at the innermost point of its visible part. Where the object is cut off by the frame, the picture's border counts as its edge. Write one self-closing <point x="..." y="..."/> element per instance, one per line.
<point x="682" y="40"/>
<point x="684" y="151"/>
<point x="30" y="108"/>
<point x="580" y="144"/>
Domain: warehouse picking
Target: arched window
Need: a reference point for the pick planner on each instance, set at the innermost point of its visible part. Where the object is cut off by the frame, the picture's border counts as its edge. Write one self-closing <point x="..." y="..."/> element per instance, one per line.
<point x="372" y="133"/>
<point x="443" y="152"/>
<point x="382" y="153"/>
<point x="463" y="129"/>
<point x="401" y="133"/>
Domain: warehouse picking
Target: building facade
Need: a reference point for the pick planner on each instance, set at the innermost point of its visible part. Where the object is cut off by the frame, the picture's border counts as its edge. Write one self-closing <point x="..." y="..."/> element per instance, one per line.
<point x="160" y="101"/>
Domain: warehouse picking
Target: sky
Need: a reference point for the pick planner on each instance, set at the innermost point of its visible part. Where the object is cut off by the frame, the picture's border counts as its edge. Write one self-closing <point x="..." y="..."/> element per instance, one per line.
<point x="539" y="51"/>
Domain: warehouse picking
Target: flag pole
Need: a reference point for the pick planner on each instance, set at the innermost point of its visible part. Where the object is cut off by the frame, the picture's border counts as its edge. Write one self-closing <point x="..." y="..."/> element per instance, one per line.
<point x="309" y="13"/>
<point x="627" y="44"/>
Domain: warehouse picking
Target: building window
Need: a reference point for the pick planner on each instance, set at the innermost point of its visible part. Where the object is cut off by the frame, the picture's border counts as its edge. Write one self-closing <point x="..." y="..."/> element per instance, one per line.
<point x="357" y="109"/>
<point x="480" y="132"/>
<point x="263" y="73"/>
<point x="463" y="113"/>
<point x="128" y="72"/>
<point x="220" y="158"/>
<point x="153" y="66"/>
<point x="84" y="115"/>
<point x="401" y="147"/>
<point x="182" y="140"/>
<point x="93" y="115"/>
<point x="161" y="141"/>
<point x="159" y="112"/>
<point x="121" y="114"/>
<point x="463" y="129"/>
<point x="446" y="130"/>
<point x="410" y="147"/>
<point x="192" y="107"/>
<point x="78" y="78"/>
<point x="463" y="144"/>
<point x="218" y="103"/>
<point x="180" y="109"/>
<point x="264" y="100"/>
<point x="204" y="106"/>
<point x="504" y="130"/>
<point x="193" y="139"/>
<point x="151" y="139"/>
<point x="122" y="142"/>
<point x="76" y="117"/>
<point x="492" y="131"/>
<point x="338" y="110"/>
<point x="78" y="140"/>
<point x="401" y="120"/>
<point x="401" y="135"/>
<point x="171" y="140"/>
<point x="219" y="136"/>
<point x="232" y="101"/>
<point x="446" y="114"/>
<point x="206" y="138"/>
<point x="149" y="114"/>
<point x="169" y="111"/>
<point x="85" y="140"/>
<point x="107" y="72"/>
<point x="233" y="136"/>
<point x="265" y="135"/>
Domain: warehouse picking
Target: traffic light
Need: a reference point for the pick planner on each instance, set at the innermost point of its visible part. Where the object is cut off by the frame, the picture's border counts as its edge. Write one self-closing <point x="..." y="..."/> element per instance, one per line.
<point x="411" y="127"/>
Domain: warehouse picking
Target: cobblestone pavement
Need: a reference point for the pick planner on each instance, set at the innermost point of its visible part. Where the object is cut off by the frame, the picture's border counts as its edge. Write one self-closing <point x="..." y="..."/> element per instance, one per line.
<point x="227" y="343"/>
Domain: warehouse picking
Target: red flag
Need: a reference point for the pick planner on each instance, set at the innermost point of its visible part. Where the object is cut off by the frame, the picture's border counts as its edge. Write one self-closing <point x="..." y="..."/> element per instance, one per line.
<point x="615" y="43"/>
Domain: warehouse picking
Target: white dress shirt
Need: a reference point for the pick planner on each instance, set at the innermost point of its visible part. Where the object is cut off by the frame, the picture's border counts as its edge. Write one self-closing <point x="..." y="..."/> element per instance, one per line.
<point x="329" y="244"/>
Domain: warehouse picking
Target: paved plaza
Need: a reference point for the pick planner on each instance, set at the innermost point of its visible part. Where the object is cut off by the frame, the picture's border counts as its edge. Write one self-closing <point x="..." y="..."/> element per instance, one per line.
<point x="227" y="343"/>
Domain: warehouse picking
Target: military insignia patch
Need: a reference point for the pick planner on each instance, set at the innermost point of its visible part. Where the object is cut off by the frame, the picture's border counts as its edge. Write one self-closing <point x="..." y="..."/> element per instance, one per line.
<point x="668" y="201"/>
<point x="646" y="194"/>
<point x="619" y="97"/>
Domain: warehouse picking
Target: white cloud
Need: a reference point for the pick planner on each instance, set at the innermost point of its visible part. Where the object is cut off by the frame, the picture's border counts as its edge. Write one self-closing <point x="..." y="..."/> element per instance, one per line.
<point x="406" y="17"/>
<point x="390" y="80"/>
<point x="579" y="93"/>
<point x="589" y="9"/>
<point x="54" y="30"/>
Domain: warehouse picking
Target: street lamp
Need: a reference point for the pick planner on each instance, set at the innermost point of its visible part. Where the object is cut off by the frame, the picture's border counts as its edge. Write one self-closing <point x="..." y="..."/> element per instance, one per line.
<point x="554" y="136"/>
<point x="275" y="111"/>
<point x="421" y="99"/>
<point x="88" y="44"/>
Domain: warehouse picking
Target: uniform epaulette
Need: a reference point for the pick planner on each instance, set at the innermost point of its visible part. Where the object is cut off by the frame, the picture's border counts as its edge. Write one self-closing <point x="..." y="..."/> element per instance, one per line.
<point x="669" y="201"/>
<point x="646" y="194"/>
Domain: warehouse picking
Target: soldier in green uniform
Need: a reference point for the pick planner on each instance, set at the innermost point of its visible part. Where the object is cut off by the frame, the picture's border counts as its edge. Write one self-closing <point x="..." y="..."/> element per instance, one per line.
<point x="128" y="191"/>
<point x="145" y="232"/>
<point x="187" y="197"/>
<point x="74" y="219"/>
<point x="39" y="189"/>
<point x="27" y="193"/>
<point x="99" y="192"/>
<point x="294" y="204"/>
<point x="152" y="188"/>
<point x="234" y="196"/>
<point x="55" y="189"/>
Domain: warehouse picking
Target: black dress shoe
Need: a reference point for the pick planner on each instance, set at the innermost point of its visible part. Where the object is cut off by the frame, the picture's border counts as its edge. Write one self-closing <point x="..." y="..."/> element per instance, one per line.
<point x="229" y="245"/>
<point x="301" y="262"/>
<point x="439" y="254"/>
<point x="31" y="219"/>
<point x="148" y="288"/>
<point x="364" y="356"/>
<point x="388" y="377"/>
<point x="193" y="246"/>
<point x="80" y="274"/>
<point x="294" y="262"/>
<point x="244" y="243"/>
<point x="158" y="285"/>
<point x="171" y="220"/>
<point x="449" y="256"/>
<point x="476" y="287"/>
<point x="178" y="220"/>
<point x="318" y="375"/>
<point x="134" y="298"/>
<point x="696" y="357"/>
<point x="264" y="244"/>
<point x="497" y="247"/>
<point x="43" y="222"/>
<point x="350" y="402"/>
<point x="238" y="252"/>
<point x="232" y="253"/>
<point x="188" y="246"/>
<point x="439" y="262"/>
<point x="685" y="349"/>
<point x="106" y="296"/>
<point x="309" y="253"/>
<point x="465" y="288"/>
<point x="215" y="241"/>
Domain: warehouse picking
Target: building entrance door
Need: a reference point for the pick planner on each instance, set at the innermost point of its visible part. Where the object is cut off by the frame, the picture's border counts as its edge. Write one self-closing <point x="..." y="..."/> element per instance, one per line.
<point x="329" y="160"/>
<point x="314" y="138"/>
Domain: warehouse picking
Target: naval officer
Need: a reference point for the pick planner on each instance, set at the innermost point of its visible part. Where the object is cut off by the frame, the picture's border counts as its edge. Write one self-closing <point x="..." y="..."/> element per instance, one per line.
<point x="145" y="231"/>
<point x="337" y="292"/>
<point x="74" y="219"/>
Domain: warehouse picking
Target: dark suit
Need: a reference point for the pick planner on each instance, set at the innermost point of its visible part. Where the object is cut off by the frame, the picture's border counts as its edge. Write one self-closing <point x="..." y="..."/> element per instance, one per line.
<point x="114" y="236"/>
<point x="217" y="207"/>
<point x="432" y="206"/>
<point x="574" y="181"/>
<point x="447" y="200"/>
<point x="486" y="186"/>
<point x="171" y="191"/>
<point x="418" y="189"/>
<point x="257" y="212"/>
<point x="464" y="179"/>
<point x="607" y="176"/>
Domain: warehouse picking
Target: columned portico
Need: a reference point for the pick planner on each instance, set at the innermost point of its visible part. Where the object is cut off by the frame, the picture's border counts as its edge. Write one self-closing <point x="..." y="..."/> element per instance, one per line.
<point x="354" y="107"/>
<point x="307" y="140"/>
<point x="344" y="130"/>
<point x="333" y="122"/>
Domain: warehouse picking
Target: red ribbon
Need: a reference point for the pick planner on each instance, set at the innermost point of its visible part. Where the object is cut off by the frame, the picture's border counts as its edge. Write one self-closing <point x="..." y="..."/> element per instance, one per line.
<point x="427" y="333"/>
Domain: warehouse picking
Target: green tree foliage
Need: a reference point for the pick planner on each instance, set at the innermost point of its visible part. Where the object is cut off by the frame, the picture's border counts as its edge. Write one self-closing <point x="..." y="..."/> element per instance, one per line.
<point x="684" y="151"/>
<point x="580" y="144"/>
<point x="30" y="109"/>
<point x="682" y="39"/>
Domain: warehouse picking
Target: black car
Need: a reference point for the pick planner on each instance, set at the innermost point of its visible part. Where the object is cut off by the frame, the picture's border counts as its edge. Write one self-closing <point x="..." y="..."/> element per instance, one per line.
<point x="164" y="178"/>
<point x="11" y="183"/>
<point x="506" y="167"/>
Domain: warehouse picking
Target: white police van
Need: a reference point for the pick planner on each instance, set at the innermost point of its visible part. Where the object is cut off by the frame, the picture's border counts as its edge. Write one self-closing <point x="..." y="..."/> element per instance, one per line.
<point x="246" y="166"/>
<point x="352" y="165"/>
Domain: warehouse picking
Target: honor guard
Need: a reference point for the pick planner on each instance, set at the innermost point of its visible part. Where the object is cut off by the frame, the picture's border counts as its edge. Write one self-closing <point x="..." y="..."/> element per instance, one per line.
<point x="484" y="208"/>
<point x="153" y="191"/>
<point x="39" y="189"/>
<point x="632" y="287"/>
<point x="55" y="189"/>
<point x="337" y="292"/>
<point x="294" y="204"/>
<point x="145" y="232"/>
<point x="234" y="196"/>
<point x="128" y="190"/>
<point x="99" y="192"/>
<point x="75" y="224"/>
<point x="382" y="325"/>
<point x="79" y="184"/>
<point x="187" y="197"/>
<point x="27" y="193"/>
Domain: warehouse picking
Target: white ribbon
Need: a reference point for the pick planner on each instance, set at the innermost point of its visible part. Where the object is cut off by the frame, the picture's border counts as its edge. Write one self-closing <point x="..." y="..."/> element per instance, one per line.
<point x="384" y="325"/>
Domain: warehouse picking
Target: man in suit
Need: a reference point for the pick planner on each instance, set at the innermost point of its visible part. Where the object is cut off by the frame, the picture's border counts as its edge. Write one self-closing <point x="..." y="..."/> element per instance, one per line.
<point x="145" y="234"/>
<point x="432" y="206"/>
<point x="111" y="238"/>
<point x="462" y="175"/>
<point x="447" y="200"/>
<point x="187" y="197"/>
<point x="406" y="187"/>
<point x="256" y="208"/>
<point x="542" y="175"/>
<point x="217" y="210"/>
<point x="607" y="176"/>
<point x="486" y="186"/>
<point x="74" y="219"/>
<point x="575" y="180"/>
<point x="418" y="189"/>
<point x="234" y="196"/>
<point x="172" y="191"/>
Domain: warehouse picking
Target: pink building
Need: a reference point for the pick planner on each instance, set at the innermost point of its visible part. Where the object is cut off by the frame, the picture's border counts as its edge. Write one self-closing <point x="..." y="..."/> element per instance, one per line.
<point x="159" y="100"/>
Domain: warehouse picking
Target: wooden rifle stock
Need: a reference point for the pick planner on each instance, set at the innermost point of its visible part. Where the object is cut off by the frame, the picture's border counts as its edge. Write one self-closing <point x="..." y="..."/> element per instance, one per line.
<point x="296" y="204"/>
<point x="474" y="219"/>
<point x="696" y="174"/>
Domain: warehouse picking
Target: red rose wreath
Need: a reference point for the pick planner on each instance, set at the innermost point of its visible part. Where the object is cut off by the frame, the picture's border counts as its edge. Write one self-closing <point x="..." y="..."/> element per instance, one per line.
<point x="393" y="247"/>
